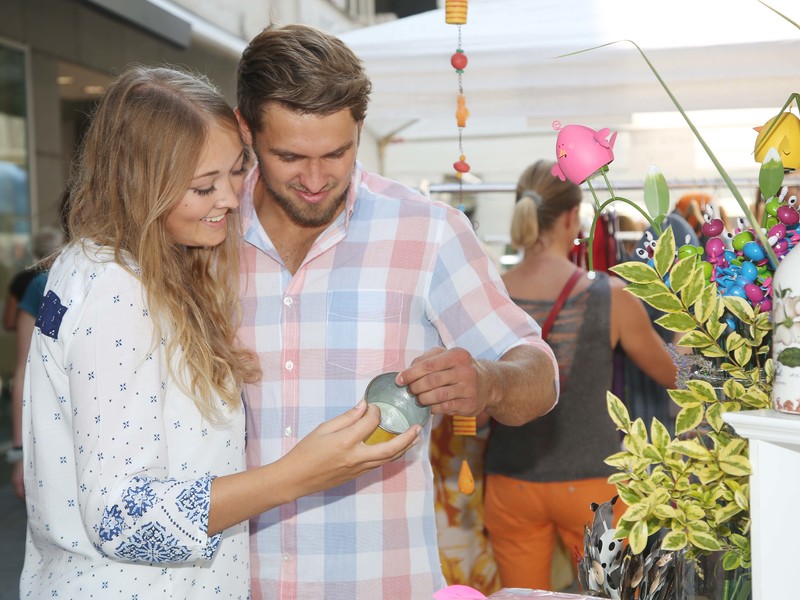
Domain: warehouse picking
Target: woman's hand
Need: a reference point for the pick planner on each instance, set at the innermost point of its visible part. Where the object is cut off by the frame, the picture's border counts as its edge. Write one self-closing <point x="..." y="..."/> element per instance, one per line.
<point x="330" y="455"/>
<point x="335" y="452"/>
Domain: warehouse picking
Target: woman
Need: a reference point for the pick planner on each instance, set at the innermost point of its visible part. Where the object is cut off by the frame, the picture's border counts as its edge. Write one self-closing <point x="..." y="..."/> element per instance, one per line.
<point x="45" y="244"/>
<point x="543" y="476"/>
<point x="134" y="440"/>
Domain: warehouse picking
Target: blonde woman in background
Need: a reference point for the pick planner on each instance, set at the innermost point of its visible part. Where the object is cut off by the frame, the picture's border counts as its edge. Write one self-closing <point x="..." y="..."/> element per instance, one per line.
<point x="543" y="476"/>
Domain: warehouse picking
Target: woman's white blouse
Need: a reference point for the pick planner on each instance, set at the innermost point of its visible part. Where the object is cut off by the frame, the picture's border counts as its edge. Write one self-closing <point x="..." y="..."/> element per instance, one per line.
<point x="118" y="459"/>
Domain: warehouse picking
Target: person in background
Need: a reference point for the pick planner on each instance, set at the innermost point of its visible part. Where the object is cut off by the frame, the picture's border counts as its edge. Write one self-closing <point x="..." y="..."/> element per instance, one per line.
<point x="133" y="419"/>
<point x="645" y="397"/>
<point x="46" y="242"/>
<point x="543" y="476"/>
<point x="346" y="275"/>
<point x="693" y="208"/>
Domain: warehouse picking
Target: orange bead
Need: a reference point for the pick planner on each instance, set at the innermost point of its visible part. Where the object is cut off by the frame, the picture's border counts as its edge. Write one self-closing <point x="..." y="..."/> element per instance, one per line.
<point x="466" y="482"/>
<point x="462" y="113"/>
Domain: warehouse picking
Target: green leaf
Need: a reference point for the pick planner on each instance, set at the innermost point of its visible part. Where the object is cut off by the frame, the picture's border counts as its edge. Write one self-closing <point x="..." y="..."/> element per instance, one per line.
<point x="733" y="389"/>
<point x="735" y="447"/>
<point x="692" y="291"/>
<point x="731" y="560"/>
<point x="690" y="448"/>
<point x="706" y="303"/>
<point x="618" y="412"/>
<point x="652" y="454"/>
<point x="682" y="272"/>
<point x="665" y="512"/>
<point x="636" y="512"/>
<point x="637" y="539"/>
<point x="634" y="444"/>
<point x="645" y="290"/>
<point x="716" y="328"/>
<point x="679" y="322"/>
<point x="616" y="478"/>
<point x="618" y="460"/>
<point x="674" y="540"/>
<point x="712" y="352"/>
<point x="743" y="355"/>
<point x="770" y="176"/>
<point x="629" y="496"/>
<point x="714" y="416"/>
<point x="736" y="465"/>
<point x="725" y="513"/>
<point x="636" y="272"/>
<point x="703" y="389"/>
<point x="734" y="341"/>
<point x="668" y="303"/>
<point x="740" y="541"/>
<point x="708" y="473"/>
<point x="685" y="398"/>
<point x="696" y="339"/>
<point x="742" y="500"/>
<point x="789" y="357"/>
<point x="704" y="541"/>
<point x="656" y="193"/>
<point x="740" y="308"/>
<point x="664" y="254"/>
<point x="688" y="419"/>
<point x="660" y="435"/>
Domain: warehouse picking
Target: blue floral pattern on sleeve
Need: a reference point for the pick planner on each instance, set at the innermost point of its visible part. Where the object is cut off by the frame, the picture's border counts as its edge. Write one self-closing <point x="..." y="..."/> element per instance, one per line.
<point x="111" y="524"/>
<point x="195" y="502"/>
<point x="152" y="543"/>
<point x="139" y="497"/>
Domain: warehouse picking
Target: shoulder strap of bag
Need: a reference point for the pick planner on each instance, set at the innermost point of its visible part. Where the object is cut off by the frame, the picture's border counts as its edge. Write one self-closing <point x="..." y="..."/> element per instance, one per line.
<point x="562" y="297"/>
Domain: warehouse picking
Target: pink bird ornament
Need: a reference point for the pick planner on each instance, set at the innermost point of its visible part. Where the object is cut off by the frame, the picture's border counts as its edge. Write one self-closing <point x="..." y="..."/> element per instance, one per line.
<point x="581" y="151"/>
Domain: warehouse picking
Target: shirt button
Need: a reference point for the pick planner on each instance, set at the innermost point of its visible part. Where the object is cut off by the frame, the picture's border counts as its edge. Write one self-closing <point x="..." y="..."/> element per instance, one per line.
<point x="287" y="432"/>
<point x="289" y="365"/>
<point x="287" y="301"/>
<point x="287" y="557"/>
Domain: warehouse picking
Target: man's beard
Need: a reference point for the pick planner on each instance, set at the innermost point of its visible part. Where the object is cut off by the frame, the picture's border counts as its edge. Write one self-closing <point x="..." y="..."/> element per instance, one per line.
<point x="305" y="215"/>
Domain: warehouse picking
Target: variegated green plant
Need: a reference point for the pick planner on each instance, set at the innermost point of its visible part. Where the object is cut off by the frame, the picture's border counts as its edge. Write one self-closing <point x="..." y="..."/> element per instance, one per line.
<point x="694" y="485"/>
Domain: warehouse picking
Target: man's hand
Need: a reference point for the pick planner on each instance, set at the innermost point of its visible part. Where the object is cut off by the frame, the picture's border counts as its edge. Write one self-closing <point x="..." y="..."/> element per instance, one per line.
<point x="514" y="389"/>
<point x="449" y="381"/>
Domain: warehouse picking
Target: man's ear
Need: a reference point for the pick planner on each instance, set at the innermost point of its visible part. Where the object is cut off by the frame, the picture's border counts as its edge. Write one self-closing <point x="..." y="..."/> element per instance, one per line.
<point x="244" y="128"/>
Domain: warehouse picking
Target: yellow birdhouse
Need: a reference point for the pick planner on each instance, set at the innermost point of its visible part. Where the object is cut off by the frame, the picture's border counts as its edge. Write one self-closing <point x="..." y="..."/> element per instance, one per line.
<point x="784" y="137"/>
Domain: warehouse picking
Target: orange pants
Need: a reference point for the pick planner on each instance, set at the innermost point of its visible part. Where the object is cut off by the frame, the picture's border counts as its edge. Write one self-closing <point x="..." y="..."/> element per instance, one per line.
<point x="523" y="519"/>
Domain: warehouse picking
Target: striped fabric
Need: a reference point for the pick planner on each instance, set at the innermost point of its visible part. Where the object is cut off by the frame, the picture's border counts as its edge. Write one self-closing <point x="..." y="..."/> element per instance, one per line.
<point x="394" y="276"/>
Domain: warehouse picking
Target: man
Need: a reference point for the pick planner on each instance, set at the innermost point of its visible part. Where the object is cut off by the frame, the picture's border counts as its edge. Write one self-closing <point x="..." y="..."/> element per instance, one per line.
<point x="347" y="275"/>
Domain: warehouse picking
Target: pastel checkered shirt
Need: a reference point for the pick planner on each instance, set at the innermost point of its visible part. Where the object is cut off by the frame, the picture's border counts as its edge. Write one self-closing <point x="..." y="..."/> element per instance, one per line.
<point x="394" y="276"/>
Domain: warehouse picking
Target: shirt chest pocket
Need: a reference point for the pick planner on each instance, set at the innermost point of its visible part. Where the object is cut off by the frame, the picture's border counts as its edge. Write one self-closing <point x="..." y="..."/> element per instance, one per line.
<point x="363" y="330"/>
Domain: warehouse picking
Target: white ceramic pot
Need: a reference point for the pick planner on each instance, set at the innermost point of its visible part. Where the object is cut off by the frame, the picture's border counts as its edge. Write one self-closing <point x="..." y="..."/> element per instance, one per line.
<point x="786" y="333"/>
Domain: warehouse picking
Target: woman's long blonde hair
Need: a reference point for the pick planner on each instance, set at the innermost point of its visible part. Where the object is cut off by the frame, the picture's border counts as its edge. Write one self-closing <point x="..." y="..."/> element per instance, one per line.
<point x="137" y="160"/>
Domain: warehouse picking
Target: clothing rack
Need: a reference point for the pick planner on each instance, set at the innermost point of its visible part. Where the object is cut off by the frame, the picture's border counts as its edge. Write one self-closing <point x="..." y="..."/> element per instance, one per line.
<point x="748" y="183"/>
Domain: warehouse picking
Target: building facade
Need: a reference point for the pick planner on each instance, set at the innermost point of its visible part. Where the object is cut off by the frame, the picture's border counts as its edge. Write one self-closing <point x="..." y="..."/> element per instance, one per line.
<point x="57" y="56"/>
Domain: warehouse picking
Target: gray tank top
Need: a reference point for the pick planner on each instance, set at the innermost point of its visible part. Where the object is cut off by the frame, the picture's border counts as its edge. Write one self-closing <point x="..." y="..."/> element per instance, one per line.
<point x="572" y="440"/>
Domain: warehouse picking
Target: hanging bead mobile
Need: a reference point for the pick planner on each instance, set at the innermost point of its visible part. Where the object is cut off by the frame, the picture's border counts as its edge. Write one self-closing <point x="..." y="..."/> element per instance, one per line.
<point x="456" y="14"/>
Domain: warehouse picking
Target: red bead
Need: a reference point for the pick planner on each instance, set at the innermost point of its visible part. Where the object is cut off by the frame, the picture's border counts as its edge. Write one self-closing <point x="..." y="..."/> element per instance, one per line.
<point x="461" y="166"/>
<point x="459" y="60"/>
